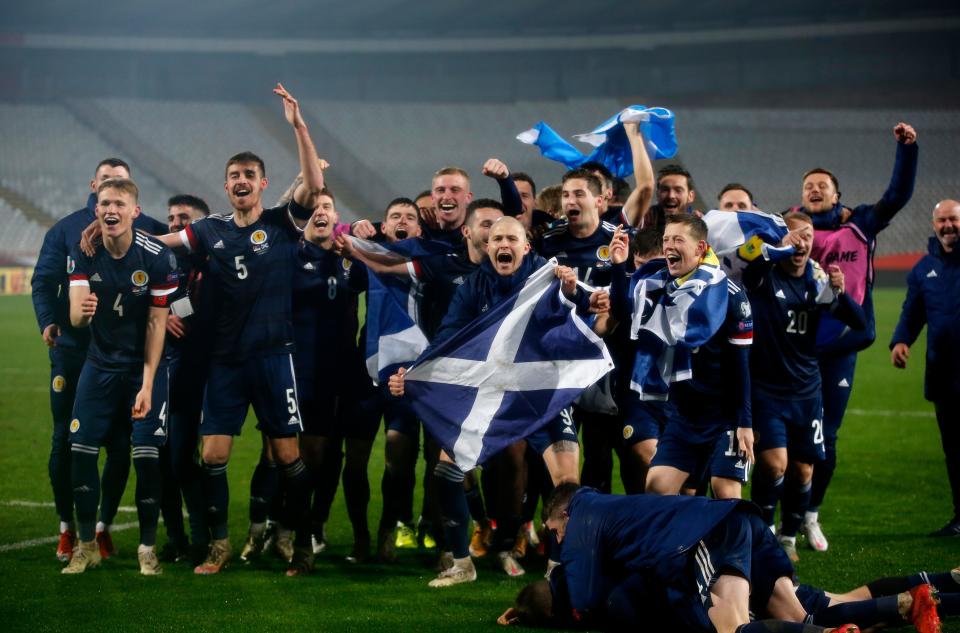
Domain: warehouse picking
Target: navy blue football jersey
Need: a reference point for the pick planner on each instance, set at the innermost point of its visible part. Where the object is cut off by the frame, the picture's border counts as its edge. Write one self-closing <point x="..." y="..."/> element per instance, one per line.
<point x="126" y="289"/>
<point x="325" y="298"/>
<point x="721" y="367"/>
<point x="783" y="362"/>
<point x="251" y="268"/>
<point x="589" y="256"/>
<point x="439" y="276"/>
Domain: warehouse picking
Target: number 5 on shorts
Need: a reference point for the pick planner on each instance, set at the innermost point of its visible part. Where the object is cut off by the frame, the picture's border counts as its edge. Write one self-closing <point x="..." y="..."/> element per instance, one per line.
<point x="292" y="403"/>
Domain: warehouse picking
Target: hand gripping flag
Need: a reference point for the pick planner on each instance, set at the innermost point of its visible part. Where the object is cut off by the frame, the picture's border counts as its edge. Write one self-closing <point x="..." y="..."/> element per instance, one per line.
<point x="610" y="140"/>
<point x="507" y="373"/>
<point x="394" y="338"/>
<point x="739" y="238"/>
<point x="671" y="317"/>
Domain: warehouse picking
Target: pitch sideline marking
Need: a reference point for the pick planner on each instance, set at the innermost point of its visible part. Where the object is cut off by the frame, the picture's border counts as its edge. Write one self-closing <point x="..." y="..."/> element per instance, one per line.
<point x="49" y="540"/>
<point x="890" y="412"/>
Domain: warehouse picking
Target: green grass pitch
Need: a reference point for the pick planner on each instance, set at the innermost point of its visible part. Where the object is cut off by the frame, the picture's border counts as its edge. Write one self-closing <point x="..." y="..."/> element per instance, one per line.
<point x="889" y="491"/>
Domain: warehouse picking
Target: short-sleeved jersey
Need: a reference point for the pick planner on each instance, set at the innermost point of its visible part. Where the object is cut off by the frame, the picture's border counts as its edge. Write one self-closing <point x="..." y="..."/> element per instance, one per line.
<point x="589" y="256"/>
<point x="325" y="296"/>
<point x="49" y="283"/>
<point x="251" y="268"/>
<point x="786" y="317"/>
<point x="126" y="289"/>
<point x="440" y="276"/>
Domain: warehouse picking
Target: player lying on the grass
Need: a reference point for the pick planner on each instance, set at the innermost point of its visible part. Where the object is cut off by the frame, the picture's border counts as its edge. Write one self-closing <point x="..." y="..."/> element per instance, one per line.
<point x="121" y="293"/>
<point x="507" y="267"/>
<point x="700" y="564"/>
<point x="626" y="557"/>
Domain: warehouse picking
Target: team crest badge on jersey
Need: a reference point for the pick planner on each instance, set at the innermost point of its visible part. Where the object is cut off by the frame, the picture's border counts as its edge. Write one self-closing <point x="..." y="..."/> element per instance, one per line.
<point x="74" y="425"/>
<point x="139" y="278"/>
<point x="59" y="383"/>
<point x="603" y="253"/>
<point x="71" y="265"/>
<point x="627" y="432"/>
<point x="346" y="264"/>
<point x="259" y="240"/>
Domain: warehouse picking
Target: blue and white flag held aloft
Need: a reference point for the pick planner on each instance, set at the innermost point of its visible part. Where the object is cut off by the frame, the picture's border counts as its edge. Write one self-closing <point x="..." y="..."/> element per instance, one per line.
<point x="739" y="238"/>
<point x="672" y="317"/>
<point x="507" y="373"/>
<point x="394" y="339"/>
<point x="610" y="140"/>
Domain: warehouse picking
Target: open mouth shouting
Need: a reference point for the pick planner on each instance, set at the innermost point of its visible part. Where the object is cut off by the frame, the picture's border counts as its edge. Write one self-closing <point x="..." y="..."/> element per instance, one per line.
<point x="401" y="233"/>
<point x="242" y="190"/>
<point x="111" y="220"/>
<point x="447" y="207"/>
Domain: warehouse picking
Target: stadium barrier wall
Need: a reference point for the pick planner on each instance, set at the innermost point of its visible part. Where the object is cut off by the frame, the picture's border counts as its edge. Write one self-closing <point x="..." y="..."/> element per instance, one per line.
<point x="15" y="280"/>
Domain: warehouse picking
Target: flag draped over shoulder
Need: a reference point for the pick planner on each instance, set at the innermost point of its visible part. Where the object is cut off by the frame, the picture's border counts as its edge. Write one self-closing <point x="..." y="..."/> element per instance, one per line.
<point x="394" y="338"/>
<point x="507" y="373"/>
<point x="671" y="317"/>
<point x="610" y="140"/>
<point x="739" y="238"/>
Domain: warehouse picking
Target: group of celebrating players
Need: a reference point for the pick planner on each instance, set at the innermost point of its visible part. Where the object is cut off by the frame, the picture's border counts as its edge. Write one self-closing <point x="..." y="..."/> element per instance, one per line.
<point x="162" y="336"/>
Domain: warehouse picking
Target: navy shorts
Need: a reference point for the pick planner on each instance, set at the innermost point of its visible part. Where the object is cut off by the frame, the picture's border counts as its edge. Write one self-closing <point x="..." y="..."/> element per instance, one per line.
<point x="645" y="419"/>
<point x="796" y="425"/>
<point x="725" y="550"/>
<point x="105" y="401"/>
<point x="701" y="460"/>
<point x="65" y="366"/>
<point x="556" y="430"/>
<point x="769" y="564"/>
<point x="813" y="599"/>
<point x="266" y="382"/>
<point x="398" y="415"/>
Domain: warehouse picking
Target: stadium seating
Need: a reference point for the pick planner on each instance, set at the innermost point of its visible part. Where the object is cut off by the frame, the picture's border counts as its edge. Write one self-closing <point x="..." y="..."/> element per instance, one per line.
<point x="404" y="143"/>
<point x="20" y="239"/>
<point x="54" y="159"/>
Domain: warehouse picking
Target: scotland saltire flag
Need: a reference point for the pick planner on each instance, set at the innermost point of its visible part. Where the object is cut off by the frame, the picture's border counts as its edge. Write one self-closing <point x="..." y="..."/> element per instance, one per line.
<point x="507" y="373"/>
<point x="610" y="140"/>
<point x="739" y="238"/>
<point x="394" y="338"/>
<point x="671" y="317"/>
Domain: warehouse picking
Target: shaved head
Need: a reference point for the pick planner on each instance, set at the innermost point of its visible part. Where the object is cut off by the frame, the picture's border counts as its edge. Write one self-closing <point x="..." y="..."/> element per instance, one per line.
<point x="945" y="205"/>
<point x="946" y="224"/>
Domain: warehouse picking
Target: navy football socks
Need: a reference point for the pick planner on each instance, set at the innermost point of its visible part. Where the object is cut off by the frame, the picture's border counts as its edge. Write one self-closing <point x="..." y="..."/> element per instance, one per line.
<point x="263" y="487"/>
<point x="216" y="493"/>
<point x="796" y="499"/>
<point x="766" y="494"/>
<point x="86" y="488"/>
<point x="146" y="461"/>
<point x="453" y="508"/>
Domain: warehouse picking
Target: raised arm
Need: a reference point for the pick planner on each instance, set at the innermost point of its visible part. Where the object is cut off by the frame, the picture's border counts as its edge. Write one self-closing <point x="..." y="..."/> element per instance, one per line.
<point x="307" y="192"/>
<point x="509" y="195"/>
<point x="287" y="195"/>
<point x="900" y="189"/>
<point x="638" y="203"/>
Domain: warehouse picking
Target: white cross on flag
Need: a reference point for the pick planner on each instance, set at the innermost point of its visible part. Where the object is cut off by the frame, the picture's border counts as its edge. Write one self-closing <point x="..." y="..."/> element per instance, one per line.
<point x="507" y="373"/>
